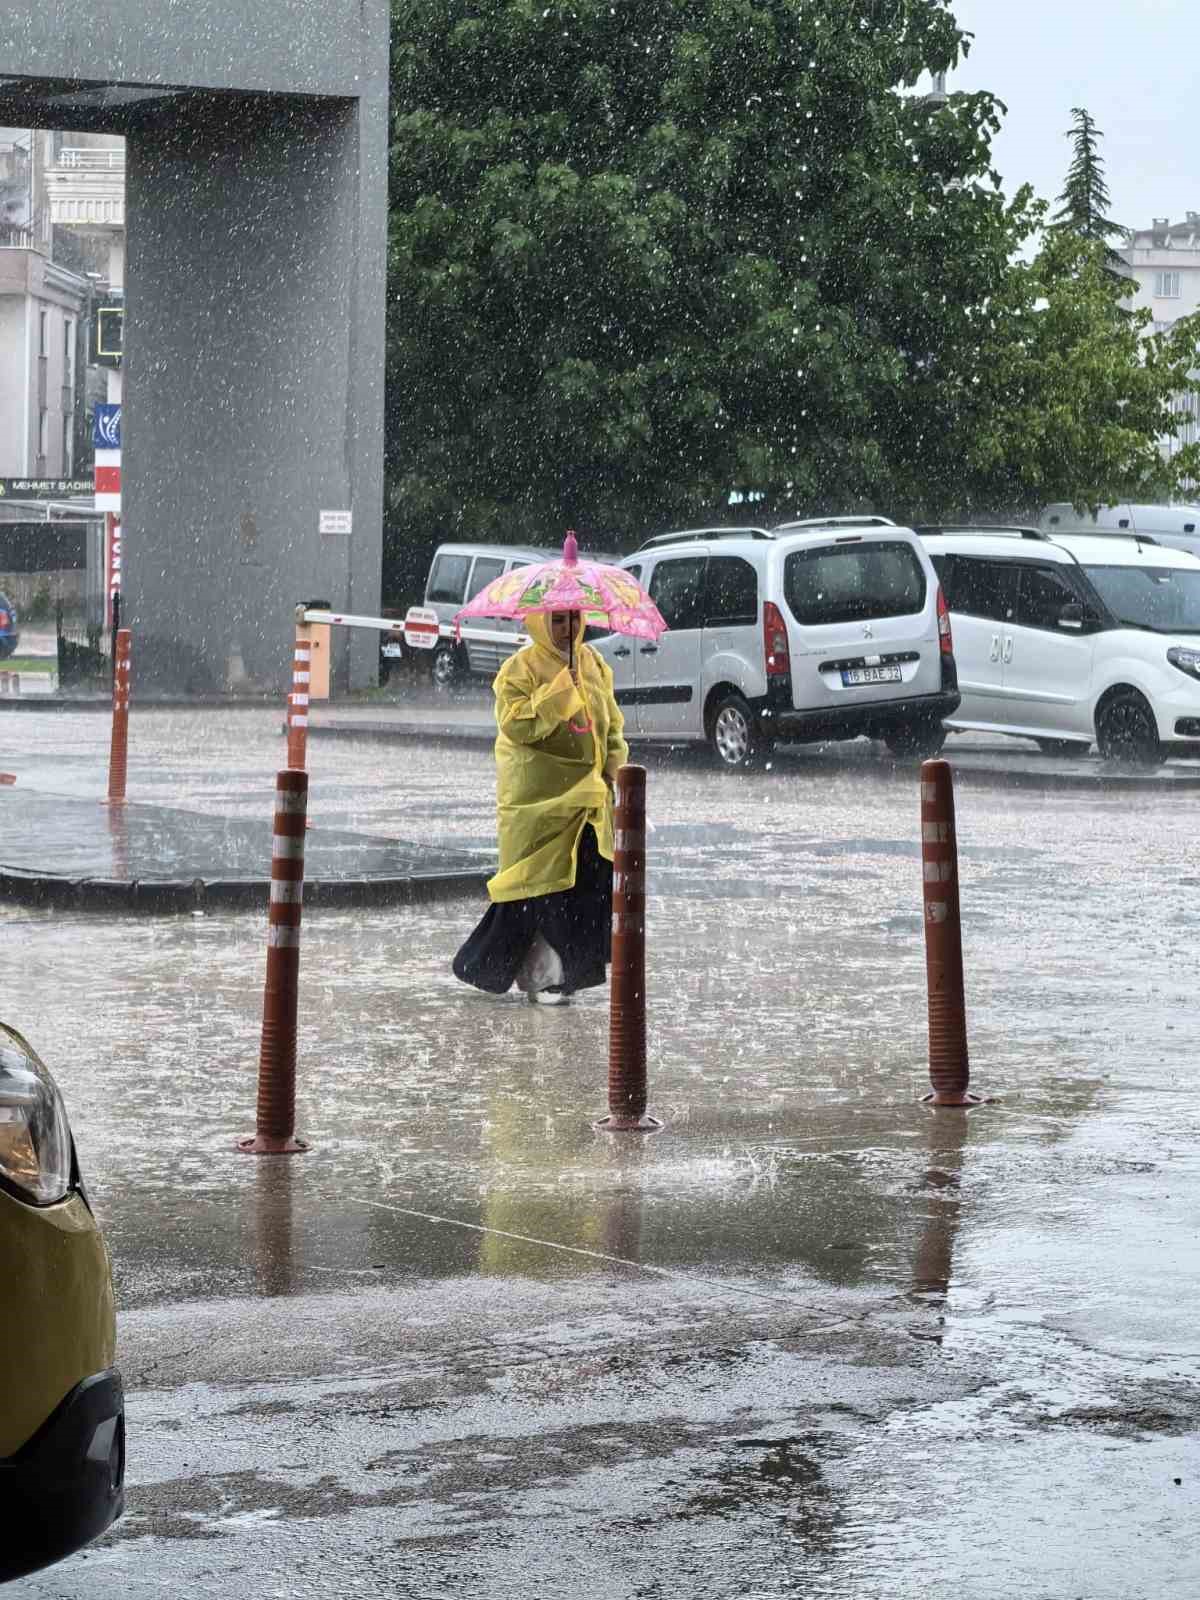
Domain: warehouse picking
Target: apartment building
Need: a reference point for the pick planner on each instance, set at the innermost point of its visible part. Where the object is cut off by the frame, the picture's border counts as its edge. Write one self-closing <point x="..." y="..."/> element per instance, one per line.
<point x="1164" y="266"/>
<point x="62" y="222"/>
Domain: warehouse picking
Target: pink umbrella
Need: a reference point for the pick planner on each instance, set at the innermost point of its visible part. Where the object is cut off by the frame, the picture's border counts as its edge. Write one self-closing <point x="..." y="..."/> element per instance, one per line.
<point x="609" y="594"/>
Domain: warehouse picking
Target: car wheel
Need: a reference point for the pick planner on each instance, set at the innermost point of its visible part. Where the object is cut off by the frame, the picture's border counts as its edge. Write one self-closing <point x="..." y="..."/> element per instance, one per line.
<point x="1067" y="749"/>
<point x="8" y="647"/>
<point x="1127" y="732"/>
<point x="916" y="739"/>
<point x="446" y="666"/>
<point x="734" y="736"/>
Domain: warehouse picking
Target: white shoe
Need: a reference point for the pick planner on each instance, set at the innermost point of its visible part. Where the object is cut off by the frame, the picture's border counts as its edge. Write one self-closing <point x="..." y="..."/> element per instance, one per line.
<point x="546" y="997"/>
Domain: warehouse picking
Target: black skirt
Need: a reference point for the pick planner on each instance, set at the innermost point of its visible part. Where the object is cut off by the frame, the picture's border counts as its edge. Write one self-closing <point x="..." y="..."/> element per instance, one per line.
<point x="576" y="923"/>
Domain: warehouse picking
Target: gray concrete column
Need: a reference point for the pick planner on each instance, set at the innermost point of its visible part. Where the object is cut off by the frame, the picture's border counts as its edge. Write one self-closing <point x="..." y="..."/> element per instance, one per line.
<point x="254" y="381"/>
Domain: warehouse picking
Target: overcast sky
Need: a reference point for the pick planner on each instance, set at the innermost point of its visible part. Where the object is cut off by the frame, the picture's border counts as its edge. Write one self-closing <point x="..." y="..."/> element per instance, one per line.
<point x="1135" y="66"/>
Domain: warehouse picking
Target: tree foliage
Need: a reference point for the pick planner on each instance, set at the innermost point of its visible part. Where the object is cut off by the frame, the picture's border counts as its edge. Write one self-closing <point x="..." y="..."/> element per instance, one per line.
<point x="643" y="253"/>
<point x="646" y="252"/>
<point x="1084" y="201"/>
<point x="1074" y="395"/>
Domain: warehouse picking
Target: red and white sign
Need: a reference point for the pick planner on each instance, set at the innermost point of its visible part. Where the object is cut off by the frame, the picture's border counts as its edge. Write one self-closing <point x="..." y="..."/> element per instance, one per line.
<point x="422" y="628"/>
<point x="108" y="480"/>
<point x="112" y="561"/>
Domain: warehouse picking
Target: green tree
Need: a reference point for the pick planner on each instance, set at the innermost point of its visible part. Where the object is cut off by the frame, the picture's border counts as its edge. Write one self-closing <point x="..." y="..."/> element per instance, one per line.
<point x="1084" y="201"/>
<point x="1073" y="395"/>
<point x="646" y="252"/>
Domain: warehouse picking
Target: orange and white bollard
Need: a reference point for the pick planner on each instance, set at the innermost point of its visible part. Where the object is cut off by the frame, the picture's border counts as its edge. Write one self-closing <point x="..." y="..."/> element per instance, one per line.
<point x="948" y="1068"/>
<point x="10" y="684"/>
<point x="627" y="1094"/>
<point x="297" y="712"/>
<point x="275" y="1126"/>
<point x="118" y="756"/>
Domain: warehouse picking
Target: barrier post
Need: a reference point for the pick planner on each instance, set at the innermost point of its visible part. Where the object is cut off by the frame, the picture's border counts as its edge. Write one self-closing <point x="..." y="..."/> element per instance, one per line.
<point x="297" y="711"/>
<point x="275" y="1125"/>
<point x="948" y="1067"/>
<point x="627" y="1017"/>
<point x="118" y="756"/>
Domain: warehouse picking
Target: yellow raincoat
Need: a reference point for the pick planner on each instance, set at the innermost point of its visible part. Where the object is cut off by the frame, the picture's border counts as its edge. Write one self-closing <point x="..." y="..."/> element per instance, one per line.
<point x="550" y="778"/>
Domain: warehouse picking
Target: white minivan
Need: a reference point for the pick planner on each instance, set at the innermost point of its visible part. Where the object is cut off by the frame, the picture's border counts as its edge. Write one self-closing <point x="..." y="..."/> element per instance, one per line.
<point x="1074" y="638"/>
<point x="824" y="631"/>
<point x="456" y="574"/>
<point x="1177" y="526"/>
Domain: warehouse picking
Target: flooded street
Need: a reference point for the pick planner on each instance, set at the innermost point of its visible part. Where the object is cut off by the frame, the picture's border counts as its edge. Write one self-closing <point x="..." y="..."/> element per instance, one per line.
<point x="811" y="1339"/>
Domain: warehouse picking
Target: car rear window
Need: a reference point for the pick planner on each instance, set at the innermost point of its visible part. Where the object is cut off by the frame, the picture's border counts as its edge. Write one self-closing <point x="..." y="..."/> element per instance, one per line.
<point x="448" y="580"/>
<point x="853" y="582"/>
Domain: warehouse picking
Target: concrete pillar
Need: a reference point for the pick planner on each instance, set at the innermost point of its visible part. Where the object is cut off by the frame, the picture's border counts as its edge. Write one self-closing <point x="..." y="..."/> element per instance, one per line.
<point x="253" y="394"/>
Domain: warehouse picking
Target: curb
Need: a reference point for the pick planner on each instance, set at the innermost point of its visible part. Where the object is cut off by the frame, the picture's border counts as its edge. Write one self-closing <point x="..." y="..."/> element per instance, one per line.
<point x="103" y="702"/>
<point x="174" y="897"/>
<point x="446" y="732"/>
<point x="1158" y="782"/>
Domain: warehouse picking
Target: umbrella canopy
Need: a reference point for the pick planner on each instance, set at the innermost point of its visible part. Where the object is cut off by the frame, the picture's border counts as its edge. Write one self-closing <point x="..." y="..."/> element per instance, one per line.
<point x="607" y="595"/>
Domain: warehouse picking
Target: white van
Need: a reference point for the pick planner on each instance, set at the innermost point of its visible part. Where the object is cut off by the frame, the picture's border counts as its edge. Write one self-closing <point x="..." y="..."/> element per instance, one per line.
<point x="1178" y="526"/>
<point x="1074" y="638"/>
<point x="818" y="632"/>
<point x="456" y="574"/>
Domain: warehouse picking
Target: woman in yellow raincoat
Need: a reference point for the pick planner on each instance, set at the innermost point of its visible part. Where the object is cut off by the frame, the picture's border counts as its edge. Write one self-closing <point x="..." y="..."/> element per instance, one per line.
<point x="561" y="740"/>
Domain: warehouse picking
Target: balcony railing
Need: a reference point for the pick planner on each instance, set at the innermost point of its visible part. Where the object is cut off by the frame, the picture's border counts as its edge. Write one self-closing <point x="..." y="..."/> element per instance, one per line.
<point x="110" y="159"/>
<point x="17" y="239"/>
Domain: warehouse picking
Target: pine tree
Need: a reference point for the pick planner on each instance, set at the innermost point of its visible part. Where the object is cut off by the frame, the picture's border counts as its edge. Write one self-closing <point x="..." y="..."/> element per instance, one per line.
<point x="1084" y="200"/>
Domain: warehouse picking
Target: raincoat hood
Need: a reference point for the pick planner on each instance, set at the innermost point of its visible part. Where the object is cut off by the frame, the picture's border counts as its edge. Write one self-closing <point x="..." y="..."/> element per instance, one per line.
<point x="560" y="737"/>
<point x="537" y="626"/>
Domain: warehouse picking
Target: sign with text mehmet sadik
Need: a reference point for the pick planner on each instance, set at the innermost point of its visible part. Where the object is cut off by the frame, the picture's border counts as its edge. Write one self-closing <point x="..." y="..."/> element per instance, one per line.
<point x="44" y="488"/>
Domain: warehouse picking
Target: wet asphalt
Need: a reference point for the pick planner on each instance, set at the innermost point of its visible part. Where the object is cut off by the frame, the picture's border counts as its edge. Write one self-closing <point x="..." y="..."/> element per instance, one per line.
<point x="812" y="1339"/>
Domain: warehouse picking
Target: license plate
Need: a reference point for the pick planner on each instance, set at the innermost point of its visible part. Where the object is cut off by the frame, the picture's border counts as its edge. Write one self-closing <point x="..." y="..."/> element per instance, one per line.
<point x="852" y="676"/>
<point x="393" y="649"/>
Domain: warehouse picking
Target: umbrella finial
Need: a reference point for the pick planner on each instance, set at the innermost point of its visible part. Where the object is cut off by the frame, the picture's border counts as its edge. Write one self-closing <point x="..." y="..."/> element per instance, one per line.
<point x="571" y="548"/>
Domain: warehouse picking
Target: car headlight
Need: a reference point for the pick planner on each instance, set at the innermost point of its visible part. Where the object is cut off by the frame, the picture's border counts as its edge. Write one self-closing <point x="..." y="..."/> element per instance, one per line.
<point x="35" y="1136"/>
<point x="1186" y="660"/>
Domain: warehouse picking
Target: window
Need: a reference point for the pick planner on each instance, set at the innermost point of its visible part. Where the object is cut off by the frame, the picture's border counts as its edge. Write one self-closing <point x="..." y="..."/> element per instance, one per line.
<point x="43" y="432"/>
<point x="977" y="587"/>
<point x="1166" y="599"/>
<point x="853" y="582"/>
<point x="486" y="568"/>
<point x="1041" y="595"/>
<point x="1166" y="286"/>
<point x="677" y="589"/>
<point x="68" y="352"/>
<point x="66" y="448"/>
<point x="731" y="593"/>
<point x="448" y="580"/>
<point x="43" y="332"/>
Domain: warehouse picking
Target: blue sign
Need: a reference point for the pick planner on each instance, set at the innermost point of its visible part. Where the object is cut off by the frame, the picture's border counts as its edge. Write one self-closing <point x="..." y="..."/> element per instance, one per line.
<point x="106" y="428"/>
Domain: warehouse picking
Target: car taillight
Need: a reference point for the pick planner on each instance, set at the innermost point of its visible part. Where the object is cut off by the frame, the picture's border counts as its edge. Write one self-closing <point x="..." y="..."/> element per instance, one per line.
<point x="945" y="637"/>
<point x="775" y="641"/>
<point x="3" y="619"/>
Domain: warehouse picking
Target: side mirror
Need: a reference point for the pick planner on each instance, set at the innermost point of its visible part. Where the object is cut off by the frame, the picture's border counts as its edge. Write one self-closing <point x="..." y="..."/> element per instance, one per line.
<point x="1071" y="617"/>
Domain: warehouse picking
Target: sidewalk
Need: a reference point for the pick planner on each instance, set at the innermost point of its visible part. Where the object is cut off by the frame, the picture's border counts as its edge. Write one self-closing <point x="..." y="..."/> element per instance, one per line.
<point x="72" y="853"/>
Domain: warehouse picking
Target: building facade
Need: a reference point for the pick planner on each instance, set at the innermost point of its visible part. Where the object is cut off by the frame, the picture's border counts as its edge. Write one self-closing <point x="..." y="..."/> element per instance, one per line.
<point x="44" y="315"/>
<point x="1163" y="262"/>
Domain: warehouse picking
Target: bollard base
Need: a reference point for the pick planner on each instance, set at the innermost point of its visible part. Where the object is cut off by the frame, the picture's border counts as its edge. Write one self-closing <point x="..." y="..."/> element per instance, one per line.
<point x="266" y="1144"/>
<point x="618" y="1124"/>
<point x="961" y="1101"/>
<point x="114" y="800"/>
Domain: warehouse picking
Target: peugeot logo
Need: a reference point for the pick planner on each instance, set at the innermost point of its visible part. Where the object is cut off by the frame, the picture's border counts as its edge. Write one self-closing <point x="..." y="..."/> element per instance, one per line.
<point x="867" y="634"/>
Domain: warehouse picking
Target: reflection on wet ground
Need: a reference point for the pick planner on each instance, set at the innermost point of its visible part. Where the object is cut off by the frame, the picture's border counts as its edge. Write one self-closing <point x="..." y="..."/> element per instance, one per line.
<point x="810" y="1339"/>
